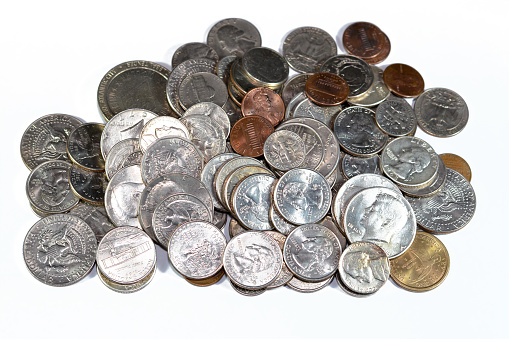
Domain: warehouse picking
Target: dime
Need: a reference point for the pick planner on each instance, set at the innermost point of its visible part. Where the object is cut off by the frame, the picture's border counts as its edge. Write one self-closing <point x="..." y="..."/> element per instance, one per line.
<point x="396" y="117"/>
<point x="312" y="141"/>
<point x="458" y="164"/>
<point x="357" y="73"/>
<point x="46" y="139"/>
<point x="175" y="210"/>
<point x="363" y="39"/>
<point x="252" y="260"/>
<point x="383" y="217"/>
<point x="60" y="249"/>
<point x="208" y="281"/>
<point x="327" y="89"/>
<point x="433" y="187"/>
<point x="193" y="50"/>
<point x="87" y="185"/>
<point x="294" y="86"/>
<point x="424" y="266"/>
<point x="325" y="114"/>
<point x="48" y="188"/>
<point x="302" y="196"/>
<point x="126" y="288"/>
<point x="84" y="147"/>
<point x="123" y="195"/>
<point x="214" y="112"/>
<point x="376" y="94"/>
<point x="118" y="154"/>
<point x="233" y="37"/>
<point x="450" y="209"/>
<point x="265" y="103"/>
<point x="353" y="166"/>
<point x="306" y="48"/>
<point x="364" y="267"/>
<point x="265" y="66"/>
<point x="403" y="80"/>
<point x="245" y="291"/>
<point x="134" y="84"/>
<point x="95" y="216"/>
<point x="208" y="173"/>
<point x="279" y="223"/>
<point x="202" y="87"/>
<point x="249" y="134"/>
<point x="441" y="112"/>
<point x="196" y="249"/>
<point x="161" y="127"/>
<point x="206" y="134"/>
<point x="284" y="150"/>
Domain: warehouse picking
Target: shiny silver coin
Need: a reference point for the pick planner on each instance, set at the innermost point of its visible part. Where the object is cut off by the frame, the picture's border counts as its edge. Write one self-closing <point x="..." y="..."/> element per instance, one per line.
<point x="252" y="260"/>
<point x="396" y="117"/>
<point x="95" y="216"/>
<point x="353" y="166"/>
<point x="356" y="72"/>
<point x="193" y="50"/>
<point x="223" y="67"/>
<point x="235" y="228"/>
<point x="433" y="187"/>
<point x="312" y="141"/>
<point x="441" y="112"/>
<point x="312" y="252"/>
<point x="358" y="133"/>
<point x="331" y="225"/>
<point x="377" y="94"/>
<point x="48" y="188"/>
<point x="196" y="249"/>
<point x="265" y="66"/>
<point x="306" y="48"/>
<point x="308" y="109"/>
<point x="209" y="171"/>
<point x="410" y="162"/>
<point x="245" y="291"/>
<point x="124" y="125"/>
<point x="202" y="87"/>
<point x="46" y="139"/>
<point x="84" y="147"/>
<point x="126" y="288"/>
<point x="133" y="159"/>
<point x="450" y="209"/>
<point x="233" y="36"/>
<point x="364" y="267"/>
<point x="123" y="196"/>
<point x="126" y="255"/>
<point x="206" y="134"/>
<point x="279" y="223"/>
<point x="39" y="213"/>
<point x="284" y="150"/>
<point x="214" y="112"/>
<point x="302" y="196"/>
<point x="294" y="101"/>
<point x="175" y="210"/>
<point x="383" y="217"/>
<point x="118" y="154"/>
<point x="285" y="276"/>
<point x="87" y="185"/>
<point x="302" y="286"/>
<point x="179" y="73"/>
<point x="294" y="86"/>
<point x="160" y="127"/>
<point x="60" y="249"/>
<point x="348" y="291"/>
<point x="251" y="201"/>
<point x="171" y="155"/>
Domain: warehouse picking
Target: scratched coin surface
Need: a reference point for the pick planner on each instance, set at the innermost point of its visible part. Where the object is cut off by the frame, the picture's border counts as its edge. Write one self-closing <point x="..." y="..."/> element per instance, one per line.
<point x="160" y="127"/>
<point x="60" y="249"/>
<point x="119" y="154"/>
<point x="84" y="147"/>
<point x="196" y="249"/>
<point x="87" y="185"/>
<point x="95" y="216"/>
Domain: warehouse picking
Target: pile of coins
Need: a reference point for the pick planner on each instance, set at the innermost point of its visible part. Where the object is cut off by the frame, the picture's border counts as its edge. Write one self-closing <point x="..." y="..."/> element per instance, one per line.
<point x="318" y="176"/>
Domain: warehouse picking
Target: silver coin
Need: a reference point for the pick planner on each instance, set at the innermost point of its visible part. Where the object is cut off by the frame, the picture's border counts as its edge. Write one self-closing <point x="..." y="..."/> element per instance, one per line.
<point x="48" y="188"/>
<point x="297" y="98"/>
<point x="306" y="48"/>
<point x="193" y="50"/>
<point x="202" y="87"/>
<point x="209" y="171"/>
<point x="233" y="37"/>
<point x="383" y="217"/>
<point x="433" y="187"/>
<point x="46" y="139"/>
<point x="410" y="162"/>
<point x="302" y="286"/>
<point x="353" y="166"/>
<point x="160" y="127"/>
<point x="118" y="154"/>
<point x="196" y="249"/>
<point x="307" y="109"/>
<point x="206" y="134"/>
<point x="251" y="201"/>
<point x="223" y="67"/>
<point x="450" y="209"/>
<point x="331" y="225"/>
<point x="84" y="147"/>
<point x="95" y="216"/>
<point x="284" y="150"/>
<point x="235" y="228"/>
<point x="123" y="196"/>
<point x="348" y="291"/>
<point x="364" y="267"/>
<point x="285" y="275"/>
<point x="245" y="291"/>
<point x="358" y="133"/>
<point x="396" y="117"/>
<point x="302" y="196"/>
<point x="252" y="260"/>
<point x="294" y="86"/>
<point x="60" y="250"/>
<point x="233" y="111"/>
<point x="179" y="73"/>
<point x="175" y="210"/>
<point x="356" y="72"/>
<point x="126" y="288"/>
<point x="124" y="125"/>
<point x="171" y="155"/>
<point x="279" y="223"/>
<point x="133" y="159"/>
<point x="312" y="141"/>
<point x="377" y="94"/>
<point x="441" y="112"/>
<point x="265" y="66"/>
<point x="312" y="252"/>
<point x="87" y="185"/>
<point x="38" y="213"/>
<point x="213" y="111"/>
<point x="126" y="255"/>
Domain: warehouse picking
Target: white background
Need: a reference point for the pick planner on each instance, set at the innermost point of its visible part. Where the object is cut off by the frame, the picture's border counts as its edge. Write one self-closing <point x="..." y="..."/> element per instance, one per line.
<point x="53" y="56"/>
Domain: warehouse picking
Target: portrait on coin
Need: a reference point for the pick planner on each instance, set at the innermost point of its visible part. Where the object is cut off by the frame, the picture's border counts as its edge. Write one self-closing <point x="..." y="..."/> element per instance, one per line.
<point x="234" y="41"/>
<point x="410" y="160"/>
<point x="365" y="268"/>
<point x="314" y="252"/>
<point x="124" y="200"/>
<point x="302" y="196"/>
<point x="52" y="187"/>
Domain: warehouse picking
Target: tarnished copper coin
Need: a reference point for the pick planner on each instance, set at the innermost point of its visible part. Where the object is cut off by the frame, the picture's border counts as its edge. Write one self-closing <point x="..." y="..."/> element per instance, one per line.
<point x="458" y="164"/>
<point x="264" y="102"/>
<point x="383" y="54"/>
<point x="403" y="80"/>
<point x="363" y="39"/>
<point x="248" y="135"/>
<point x="327" y="89"/>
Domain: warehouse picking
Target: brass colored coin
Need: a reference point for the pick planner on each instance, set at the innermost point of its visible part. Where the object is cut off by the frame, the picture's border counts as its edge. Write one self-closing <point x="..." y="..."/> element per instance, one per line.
<point x="327" y="89"/>
<point x="423" y="266"/>
<point x="458" y="164"/>
<point x="404" y="80"/>
<point x="208" y="281"/>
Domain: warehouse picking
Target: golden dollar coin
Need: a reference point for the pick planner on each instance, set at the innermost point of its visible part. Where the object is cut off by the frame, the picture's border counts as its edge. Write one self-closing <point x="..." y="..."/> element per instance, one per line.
<point x="458" y="164"/>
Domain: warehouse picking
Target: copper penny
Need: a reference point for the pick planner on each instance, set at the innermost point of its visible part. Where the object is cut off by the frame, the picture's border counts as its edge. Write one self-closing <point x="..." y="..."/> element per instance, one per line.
<point x="327" y="89"/>
<point x="248" y="135"/>
<point x="363" y="40"/>
<point x="265" y="103"/>
<point x="383" y="55"/>
<point x="403" y="80"/>
<point x="458" y="164"/>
